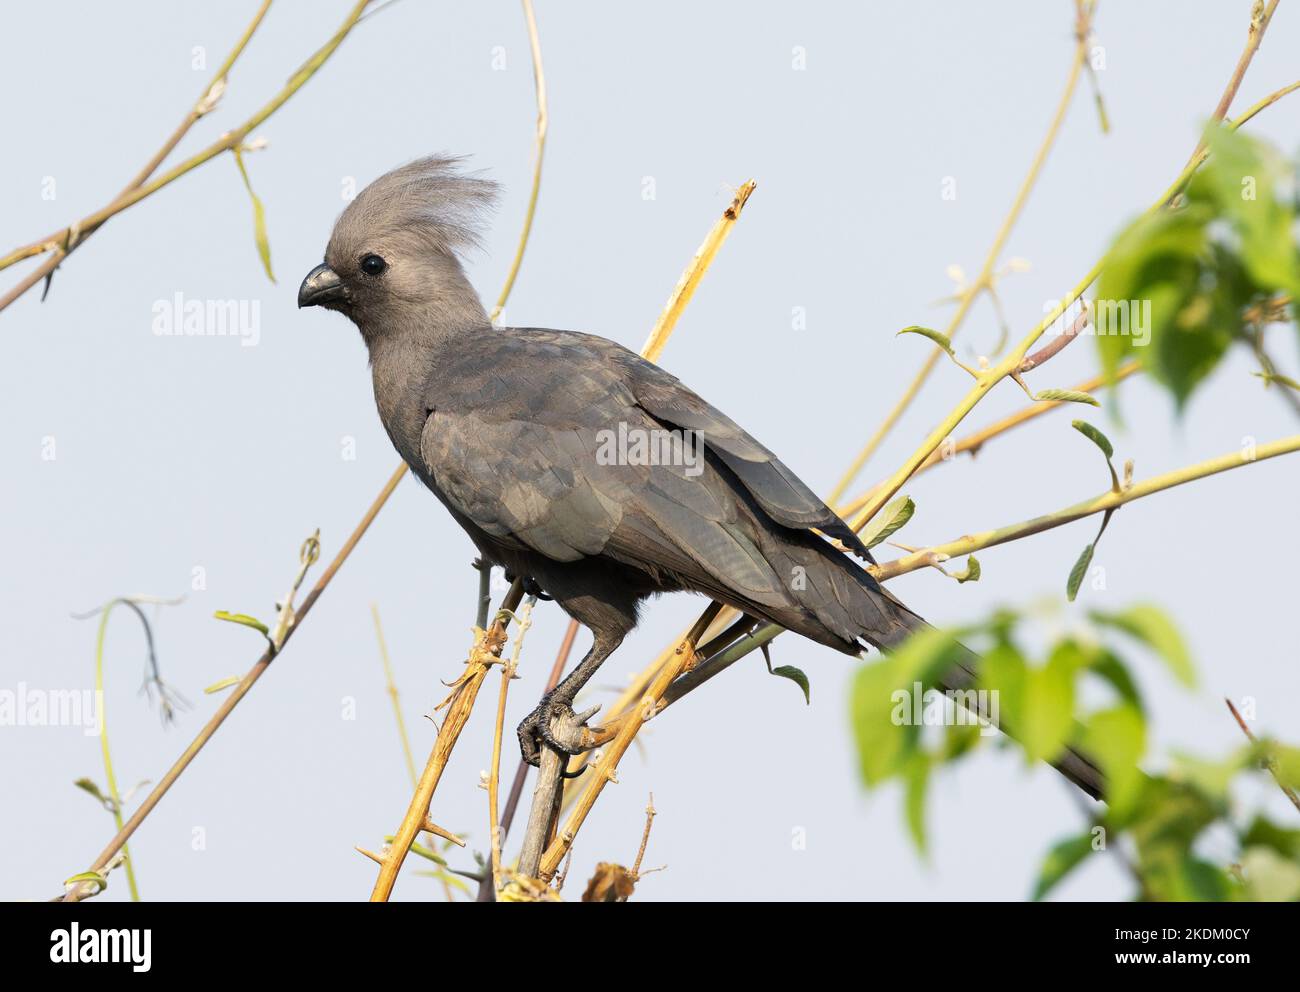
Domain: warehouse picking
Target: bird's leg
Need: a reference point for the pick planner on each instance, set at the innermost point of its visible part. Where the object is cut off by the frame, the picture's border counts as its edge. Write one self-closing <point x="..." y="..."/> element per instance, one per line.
<point x="531" y="586"/>
<point x="536" y="728"/>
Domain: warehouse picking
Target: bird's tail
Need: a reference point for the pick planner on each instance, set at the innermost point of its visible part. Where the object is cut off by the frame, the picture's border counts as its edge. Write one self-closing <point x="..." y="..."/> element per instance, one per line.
<point x="838" y="603"/>
<point x="1073" y="764"/>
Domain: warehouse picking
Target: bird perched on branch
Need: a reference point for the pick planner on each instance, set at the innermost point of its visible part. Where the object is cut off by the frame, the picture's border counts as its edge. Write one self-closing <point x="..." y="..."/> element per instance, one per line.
<point x="576" y="464"/>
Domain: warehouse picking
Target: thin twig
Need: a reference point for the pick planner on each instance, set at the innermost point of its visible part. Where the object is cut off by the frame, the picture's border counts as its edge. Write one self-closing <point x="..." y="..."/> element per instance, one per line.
<point x="984" y="280"/>
<point x="206" y="102"/>
<point x="924" y="557"/>
<point x="1057" y="344"/>
<point x="241" y="690"/>
<point x="989" y="378"/>
<point x="539" y="151"/>
<point x="494" y="772"/>
<point x="391" y="687"/>
<point x="654" y="345"/>
<point x="645" y="836"/>
<point x="1108" y="500"/>
<point x="694" y="272"/>
<point x="486" y="651"/>
<point x="975" y="441"/>
<point x="63" y="243"/>
<point x="1270" y="764"/>
<point x="1260" y="16"/>
<point x="603" y="771"/>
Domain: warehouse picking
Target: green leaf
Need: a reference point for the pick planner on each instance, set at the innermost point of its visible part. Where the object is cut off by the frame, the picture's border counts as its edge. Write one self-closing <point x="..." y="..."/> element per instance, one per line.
<point x="88" y="876"/>
<point x="1004" y="670"/>
<point x="426" y="853"/>
<point x="259" y="218"/>
<point x="972" y="572"/>
<point x="1153" y="627"/>
<point x="1116" y="740"/>
<point x="1066" y="396"/>
<point x="1063" y="858"/>
<point x="1284" y="762"/>
<point x="959" y="739"/>
<point x="1108" y="665"/>
<point x="245" y="620"/>
<point x="891" y="517"/>
<point x="1078" y="572"/>
<point x="885" y="741"/>
<point x="796" y="676"/>
<point x="916" y="778"/>
<point x="1167" y="819"/>
<point x="884" y="699"/>
<point x="1269" y="876"/>
<point x="1047" y="719"/>
<point x="1264" y="832"/>
<point x="935" y="336"/>
<point x="1195" y="341"/>
<point x="1241" y="179"/>
<point x="1149" y="275"/>
<point x="447" y="878"/>
<point x="86" y="785"/>
<point x="1095" y="436"/>
<point x="1272" y="377"/>
<point x="1211" y="778"/>
<point x="225" y="683"/>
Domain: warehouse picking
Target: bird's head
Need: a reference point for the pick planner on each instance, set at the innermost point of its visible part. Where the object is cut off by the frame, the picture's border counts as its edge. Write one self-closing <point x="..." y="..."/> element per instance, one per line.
<point x="393" y="257"/>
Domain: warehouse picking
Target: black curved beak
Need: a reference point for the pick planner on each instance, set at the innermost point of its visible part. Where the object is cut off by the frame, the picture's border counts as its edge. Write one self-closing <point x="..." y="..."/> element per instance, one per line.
<point x="321" y="288"/>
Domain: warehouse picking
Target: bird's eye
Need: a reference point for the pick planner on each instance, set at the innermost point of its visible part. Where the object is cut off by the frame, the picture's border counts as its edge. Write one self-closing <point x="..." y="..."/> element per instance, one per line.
<point x="373" y="265"/>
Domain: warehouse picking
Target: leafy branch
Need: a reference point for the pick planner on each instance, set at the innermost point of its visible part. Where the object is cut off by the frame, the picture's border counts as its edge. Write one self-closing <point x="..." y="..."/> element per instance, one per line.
<point x="983" y="282"/>
<point x="61" y="244"/>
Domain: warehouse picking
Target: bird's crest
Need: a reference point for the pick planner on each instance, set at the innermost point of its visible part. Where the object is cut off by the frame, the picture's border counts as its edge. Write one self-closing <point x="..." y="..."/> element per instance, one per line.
<point x="431" y="198"/>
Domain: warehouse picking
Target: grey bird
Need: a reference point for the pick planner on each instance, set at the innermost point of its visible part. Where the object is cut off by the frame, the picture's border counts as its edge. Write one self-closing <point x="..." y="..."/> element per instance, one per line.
<point x="577" y="465"/>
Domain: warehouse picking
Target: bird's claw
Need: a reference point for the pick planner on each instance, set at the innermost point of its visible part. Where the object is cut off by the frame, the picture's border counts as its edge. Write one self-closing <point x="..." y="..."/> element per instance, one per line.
<point x="536" y="729"/>
<point x="530" y="586"/>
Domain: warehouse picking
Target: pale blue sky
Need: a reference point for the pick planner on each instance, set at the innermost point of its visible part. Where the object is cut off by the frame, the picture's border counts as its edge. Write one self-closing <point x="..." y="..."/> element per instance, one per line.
<point x="177" y="453"/>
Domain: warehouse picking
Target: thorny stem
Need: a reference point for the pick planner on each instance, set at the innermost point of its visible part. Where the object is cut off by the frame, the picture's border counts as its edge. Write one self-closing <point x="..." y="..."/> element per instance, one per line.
<point x="1007" y="367"/>
<point x="460" y="704"/>
<point x="486" y="890"/>
<point x="658" y="338"/>
<point x="604" y="770"/>
<point x="304" y="73"/>
<point x="972" y="443"/>
<point x="494" y="772"/>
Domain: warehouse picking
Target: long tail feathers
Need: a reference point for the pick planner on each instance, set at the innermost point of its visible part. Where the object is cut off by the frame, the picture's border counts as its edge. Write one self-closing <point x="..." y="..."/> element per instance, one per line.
<point x="1075" y="766"/>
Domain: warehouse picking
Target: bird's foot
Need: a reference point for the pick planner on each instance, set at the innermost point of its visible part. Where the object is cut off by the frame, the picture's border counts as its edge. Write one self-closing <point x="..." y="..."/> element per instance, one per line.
<point x="540" y="726"/>
<point x="531" y="586"/>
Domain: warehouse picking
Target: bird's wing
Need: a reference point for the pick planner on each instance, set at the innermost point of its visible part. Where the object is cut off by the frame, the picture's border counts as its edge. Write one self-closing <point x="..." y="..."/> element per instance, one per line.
<point x="781" y="493"/>
<point x="522" y="438"/>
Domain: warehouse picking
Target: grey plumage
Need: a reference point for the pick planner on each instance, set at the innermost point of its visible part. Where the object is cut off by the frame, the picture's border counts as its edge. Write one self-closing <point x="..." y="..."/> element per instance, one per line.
<point x="511" y="430"/>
